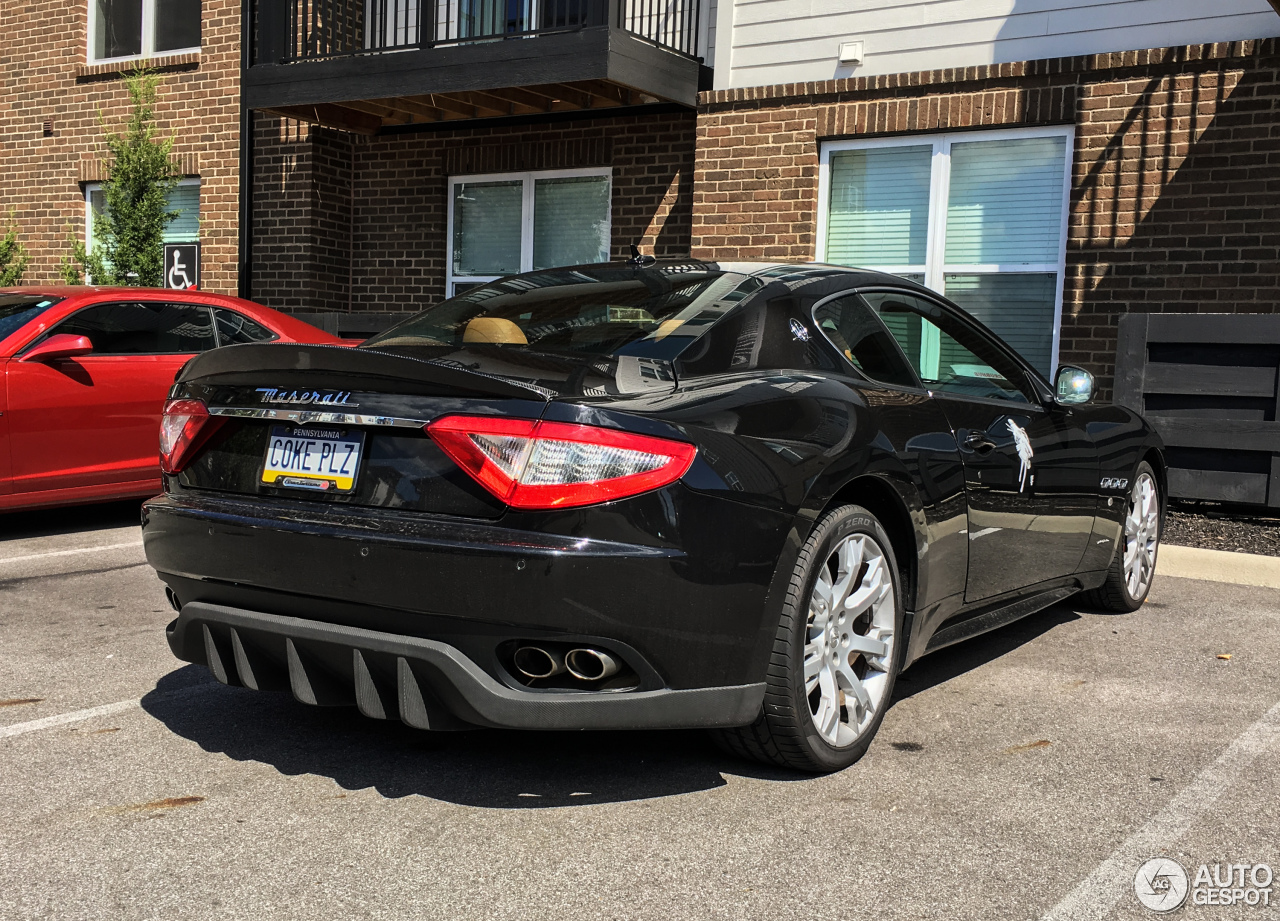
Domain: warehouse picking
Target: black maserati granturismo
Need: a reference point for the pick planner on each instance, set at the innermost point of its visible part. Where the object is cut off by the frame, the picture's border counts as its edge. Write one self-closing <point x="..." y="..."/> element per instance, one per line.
<point x="676" y="494"/>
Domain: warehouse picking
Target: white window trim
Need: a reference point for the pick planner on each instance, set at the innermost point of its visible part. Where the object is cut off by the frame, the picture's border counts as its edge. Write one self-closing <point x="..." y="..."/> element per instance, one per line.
<point x="939" y="189"/>
<point x="526" y="216"/>
<point x="91" y="187"/>
<point x="148" y="36"/>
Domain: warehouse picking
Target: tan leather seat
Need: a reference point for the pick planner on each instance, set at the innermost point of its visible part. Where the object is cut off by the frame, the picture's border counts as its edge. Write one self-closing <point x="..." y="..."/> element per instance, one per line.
<point x="494" y="331"/>
<point x="667" y="327"/>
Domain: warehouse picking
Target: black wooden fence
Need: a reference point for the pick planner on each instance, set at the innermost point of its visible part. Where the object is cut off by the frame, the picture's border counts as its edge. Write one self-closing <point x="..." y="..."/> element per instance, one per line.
<point x="1210" y="383"/>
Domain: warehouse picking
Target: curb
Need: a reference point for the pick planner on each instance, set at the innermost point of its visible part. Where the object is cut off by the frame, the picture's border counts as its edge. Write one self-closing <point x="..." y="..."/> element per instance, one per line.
<point x="1218" y="566"/>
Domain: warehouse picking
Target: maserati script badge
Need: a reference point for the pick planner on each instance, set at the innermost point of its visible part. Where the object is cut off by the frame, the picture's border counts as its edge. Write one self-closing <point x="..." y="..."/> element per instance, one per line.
<point x="306" y="397"/>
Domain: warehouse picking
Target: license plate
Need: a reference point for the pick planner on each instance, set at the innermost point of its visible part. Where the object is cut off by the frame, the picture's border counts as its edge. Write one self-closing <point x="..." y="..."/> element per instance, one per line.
<point x="313" y="457"/>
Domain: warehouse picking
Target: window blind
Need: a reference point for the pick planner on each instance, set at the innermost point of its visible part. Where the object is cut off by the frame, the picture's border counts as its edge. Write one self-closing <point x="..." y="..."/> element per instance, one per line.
<point x="185" y="228"/>
<point x="879" y="206"/>
<point x="1005" y="203"/>
<point x="486" y="227"/>
<point x="1018" y="306"/>
<point x="570" y="221"/>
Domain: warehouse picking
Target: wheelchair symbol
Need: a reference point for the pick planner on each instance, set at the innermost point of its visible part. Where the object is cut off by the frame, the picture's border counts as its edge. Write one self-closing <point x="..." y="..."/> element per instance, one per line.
<point x="178" y="272"/>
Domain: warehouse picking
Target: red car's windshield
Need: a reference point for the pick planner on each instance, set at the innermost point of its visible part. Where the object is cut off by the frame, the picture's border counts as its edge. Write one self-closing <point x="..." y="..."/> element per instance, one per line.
<point x="16" y="310"/>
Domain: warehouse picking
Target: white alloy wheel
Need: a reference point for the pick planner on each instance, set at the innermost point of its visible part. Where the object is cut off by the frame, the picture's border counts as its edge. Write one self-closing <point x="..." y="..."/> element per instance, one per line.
<point x="1141" y="535"/>
<point x="849" y="640"/>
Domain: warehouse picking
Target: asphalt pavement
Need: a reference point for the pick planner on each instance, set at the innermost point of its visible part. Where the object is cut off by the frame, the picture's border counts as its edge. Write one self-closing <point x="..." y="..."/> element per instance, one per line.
<point x="1023" y="775"/>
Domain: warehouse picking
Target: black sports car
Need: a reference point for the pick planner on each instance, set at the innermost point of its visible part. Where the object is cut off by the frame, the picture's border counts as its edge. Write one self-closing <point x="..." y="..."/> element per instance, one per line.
<point x="735" y="496"/>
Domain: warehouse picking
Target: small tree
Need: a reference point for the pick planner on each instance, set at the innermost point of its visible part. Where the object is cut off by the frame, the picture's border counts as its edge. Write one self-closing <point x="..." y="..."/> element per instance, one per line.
<point x="129" y="231"/>
<point x="13" y="255"/>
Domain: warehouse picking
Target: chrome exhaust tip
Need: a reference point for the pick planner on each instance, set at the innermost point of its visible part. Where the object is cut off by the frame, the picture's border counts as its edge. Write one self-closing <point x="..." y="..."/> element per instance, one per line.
<point x="173" y="599"/>
<point x="536" y="662"/>
<point x="590" y="664"/>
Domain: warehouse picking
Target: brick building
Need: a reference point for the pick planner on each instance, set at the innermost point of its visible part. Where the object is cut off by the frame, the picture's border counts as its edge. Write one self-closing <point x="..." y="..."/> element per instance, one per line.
<point x="61" y="65"/>
<point x="399" y="151"/>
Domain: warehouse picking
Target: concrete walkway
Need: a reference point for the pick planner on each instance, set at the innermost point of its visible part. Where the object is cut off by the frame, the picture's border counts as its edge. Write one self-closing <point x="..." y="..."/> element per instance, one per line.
<point x="1218" y="566"/>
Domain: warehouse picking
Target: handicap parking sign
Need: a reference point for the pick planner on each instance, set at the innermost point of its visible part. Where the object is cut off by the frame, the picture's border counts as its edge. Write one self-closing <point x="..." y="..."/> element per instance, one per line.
<point x="181" y="265"/>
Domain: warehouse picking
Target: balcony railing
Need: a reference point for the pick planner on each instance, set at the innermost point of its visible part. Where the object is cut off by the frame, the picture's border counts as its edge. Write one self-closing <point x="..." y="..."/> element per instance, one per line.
<point x="322" y="29"/>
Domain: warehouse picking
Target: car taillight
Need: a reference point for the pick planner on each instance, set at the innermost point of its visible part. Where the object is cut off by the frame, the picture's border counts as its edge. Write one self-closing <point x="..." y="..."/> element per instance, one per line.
<point x="543" y="465"/>
<point x="184" y="427"/>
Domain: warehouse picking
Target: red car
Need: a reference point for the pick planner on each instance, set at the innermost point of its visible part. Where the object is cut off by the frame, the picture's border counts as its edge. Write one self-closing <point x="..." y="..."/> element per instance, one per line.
<point x="86" y="372"/>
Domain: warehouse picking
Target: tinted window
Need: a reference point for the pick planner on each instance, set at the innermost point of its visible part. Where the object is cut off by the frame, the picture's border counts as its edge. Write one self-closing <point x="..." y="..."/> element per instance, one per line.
<point x="16" y="310"/>
<point x="142" y="328"/>
<point x="235" y="328"/>
<point x="851" y="326"/>
<point x="947" y="355"/>
<point x="610" y="311"/>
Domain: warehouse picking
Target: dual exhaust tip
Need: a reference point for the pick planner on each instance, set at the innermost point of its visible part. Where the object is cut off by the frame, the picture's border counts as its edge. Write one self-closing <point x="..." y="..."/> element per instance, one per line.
<point x="582" y="663"/>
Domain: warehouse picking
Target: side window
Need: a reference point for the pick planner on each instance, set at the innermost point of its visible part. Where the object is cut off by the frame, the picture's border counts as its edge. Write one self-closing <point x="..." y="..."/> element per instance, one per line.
<point x="948" y="356"/>
<point x="142" y="328"/>
<point x="235" y="328"/>
<point x="851" y="326"/>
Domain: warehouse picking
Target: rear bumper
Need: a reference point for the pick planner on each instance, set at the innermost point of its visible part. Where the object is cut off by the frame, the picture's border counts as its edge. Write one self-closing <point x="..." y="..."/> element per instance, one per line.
<point x="425" y="683"/>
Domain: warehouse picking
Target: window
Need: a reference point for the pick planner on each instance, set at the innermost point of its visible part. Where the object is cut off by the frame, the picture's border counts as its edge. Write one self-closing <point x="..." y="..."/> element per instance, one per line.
<point x="142" y="328"/>
<point x="235" y="328"/>
<point x="519" y="222"/>
<point x="947" y="356"/>
<point x="858" y="335"/>
<point x="142" y="28"/>
<point x="980" y="217"/>
<point x="17" y="310"/>
<point x="185" y="199"/>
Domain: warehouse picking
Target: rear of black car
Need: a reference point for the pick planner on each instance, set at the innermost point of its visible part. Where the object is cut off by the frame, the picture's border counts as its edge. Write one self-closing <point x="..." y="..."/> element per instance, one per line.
<point x="480" y="517"/>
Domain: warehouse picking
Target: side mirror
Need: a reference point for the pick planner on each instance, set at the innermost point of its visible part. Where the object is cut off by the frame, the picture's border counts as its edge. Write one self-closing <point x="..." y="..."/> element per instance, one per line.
<point x="1074" y="385"/>
<point x="61" y="345"/>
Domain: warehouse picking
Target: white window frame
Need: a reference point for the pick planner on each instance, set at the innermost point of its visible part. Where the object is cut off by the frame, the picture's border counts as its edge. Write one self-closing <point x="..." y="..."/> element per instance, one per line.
<point x="148" y="36"/>
<point x="526" y="215"/>
<point x="934" y="271"/>
<point x="89" y="189"/>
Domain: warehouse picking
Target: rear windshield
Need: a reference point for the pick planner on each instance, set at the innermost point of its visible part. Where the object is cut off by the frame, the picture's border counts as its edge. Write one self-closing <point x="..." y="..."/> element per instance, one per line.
<point x="598" y="311"/>
<point x="16" y="310"/>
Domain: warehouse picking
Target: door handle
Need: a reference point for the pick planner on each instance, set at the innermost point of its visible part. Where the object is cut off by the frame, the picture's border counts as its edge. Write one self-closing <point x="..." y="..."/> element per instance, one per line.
<point x="979" y="442"/>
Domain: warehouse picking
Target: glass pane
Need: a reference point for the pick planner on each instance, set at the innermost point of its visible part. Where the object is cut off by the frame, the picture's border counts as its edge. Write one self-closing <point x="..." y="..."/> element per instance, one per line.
<point x="570" y="221"/>
<point x="1019" y="308"/>
<point x="117" y="28"/>
<point x="185" y="228"/>
<point x="486" y="227"/>
<point x="948" y="356"/>
<point x="142" y="329"/>
<point x="177" y="24"/>
<point x="1005" y="204"/>
<point x="856" y="333"/>
<point x="879" y="209"/>
<point x="235" y="328"/>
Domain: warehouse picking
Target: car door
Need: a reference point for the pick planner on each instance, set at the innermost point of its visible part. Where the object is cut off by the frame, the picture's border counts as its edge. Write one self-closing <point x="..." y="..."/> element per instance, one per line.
<point x="93" y="420"/>
<point x="1030" y="471"/>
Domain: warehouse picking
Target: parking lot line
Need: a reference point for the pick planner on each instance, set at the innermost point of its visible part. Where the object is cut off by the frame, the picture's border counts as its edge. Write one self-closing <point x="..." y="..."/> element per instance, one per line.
<point x="76" y="716"/>
<point x="52" y="553"/>
<point x="1098" y="893"/>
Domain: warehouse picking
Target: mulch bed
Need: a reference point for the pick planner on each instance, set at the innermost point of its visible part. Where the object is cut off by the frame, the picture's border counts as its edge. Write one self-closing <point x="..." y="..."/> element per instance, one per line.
<point x="1219" y="528"/>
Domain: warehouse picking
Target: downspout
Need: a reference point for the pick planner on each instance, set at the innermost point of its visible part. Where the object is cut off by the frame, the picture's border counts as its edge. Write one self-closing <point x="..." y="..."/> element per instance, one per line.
<point x="245" y="221"/>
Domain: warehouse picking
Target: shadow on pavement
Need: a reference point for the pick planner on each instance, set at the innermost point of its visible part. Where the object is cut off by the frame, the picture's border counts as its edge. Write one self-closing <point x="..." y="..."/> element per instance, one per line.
<point x="487" y="768"/>
<point x="940" y="667"/>
<point x="47" y="521"/>
<point x="498" y="769"/>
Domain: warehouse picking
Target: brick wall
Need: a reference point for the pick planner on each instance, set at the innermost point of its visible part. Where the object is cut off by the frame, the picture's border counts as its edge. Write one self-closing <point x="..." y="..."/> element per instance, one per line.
<point x="45" y="76"/>
<point x="1175" y="177"/>
<point x="393" y="230"/>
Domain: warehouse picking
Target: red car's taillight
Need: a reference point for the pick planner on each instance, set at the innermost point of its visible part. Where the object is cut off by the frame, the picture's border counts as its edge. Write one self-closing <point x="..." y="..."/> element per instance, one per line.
<point x="542" y="465"/>
<point x="184" y="427"/>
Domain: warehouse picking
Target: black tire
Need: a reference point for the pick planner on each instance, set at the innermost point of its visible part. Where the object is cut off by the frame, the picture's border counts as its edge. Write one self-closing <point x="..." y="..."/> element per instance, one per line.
<point x="784" y="733"/>
<point x="1114" y="594"/>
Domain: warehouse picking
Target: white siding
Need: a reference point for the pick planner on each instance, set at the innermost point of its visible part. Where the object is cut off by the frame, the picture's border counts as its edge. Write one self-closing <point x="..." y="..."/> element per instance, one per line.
<point x="786" y="41"/>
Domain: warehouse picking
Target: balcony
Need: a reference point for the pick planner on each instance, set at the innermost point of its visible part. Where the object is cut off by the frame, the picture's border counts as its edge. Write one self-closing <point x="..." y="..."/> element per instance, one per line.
<point x="365" y="65"/>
